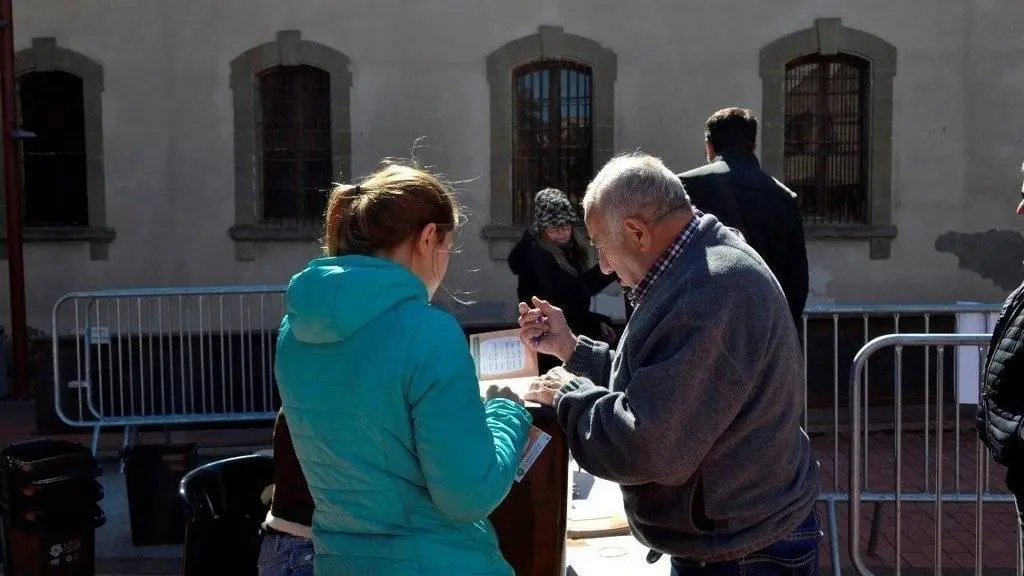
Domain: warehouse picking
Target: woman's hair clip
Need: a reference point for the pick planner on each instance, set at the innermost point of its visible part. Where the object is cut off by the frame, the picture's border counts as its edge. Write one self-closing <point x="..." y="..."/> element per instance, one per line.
<point x="356" y="190"/>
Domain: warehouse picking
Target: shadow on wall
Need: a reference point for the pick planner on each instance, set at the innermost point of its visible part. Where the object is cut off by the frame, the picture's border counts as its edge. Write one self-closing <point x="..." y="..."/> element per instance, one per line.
<point x="995" y="255"/>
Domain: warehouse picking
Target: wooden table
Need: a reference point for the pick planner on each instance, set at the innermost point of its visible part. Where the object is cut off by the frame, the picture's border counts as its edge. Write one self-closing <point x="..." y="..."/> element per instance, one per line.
<point x="531" y="522"/>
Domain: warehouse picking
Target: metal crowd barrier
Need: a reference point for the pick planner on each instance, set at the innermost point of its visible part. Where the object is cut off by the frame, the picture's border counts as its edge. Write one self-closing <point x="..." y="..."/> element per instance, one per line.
<point x="892" y="319"/>
<point x="940" y="490"/>
<point x="166" y="356"/>
<point x="174" y="356"/>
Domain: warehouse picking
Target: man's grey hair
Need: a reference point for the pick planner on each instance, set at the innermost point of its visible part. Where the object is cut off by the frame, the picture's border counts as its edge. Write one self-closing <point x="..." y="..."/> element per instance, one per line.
<point x="635" y="185"/>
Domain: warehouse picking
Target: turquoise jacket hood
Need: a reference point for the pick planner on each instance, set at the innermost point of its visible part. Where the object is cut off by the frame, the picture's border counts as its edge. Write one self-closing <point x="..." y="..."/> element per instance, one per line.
<point x="335" y="297"/>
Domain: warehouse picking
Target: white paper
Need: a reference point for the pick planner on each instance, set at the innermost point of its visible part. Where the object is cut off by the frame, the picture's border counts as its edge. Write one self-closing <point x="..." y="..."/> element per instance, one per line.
<point x="99" y="335"/>
<point x="501" y="356"/>
<point x="968" y="361"/>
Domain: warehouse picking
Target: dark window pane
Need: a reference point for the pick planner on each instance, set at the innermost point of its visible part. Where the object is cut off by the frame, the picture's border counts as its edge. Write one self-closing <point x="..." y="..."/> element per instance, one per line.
<point x="53" y="108"/>
<point x="552" y="133"/>
<point x="295" y="127"/>
<point x="825" y="146"/>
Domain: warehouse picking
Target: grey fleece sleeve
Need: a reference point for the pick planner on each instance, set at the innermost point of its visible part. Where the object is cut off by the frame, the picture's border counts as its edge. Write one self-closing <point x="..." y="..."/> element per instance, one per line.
<point x="592" y="360"/>
<point x="682" y="395"/>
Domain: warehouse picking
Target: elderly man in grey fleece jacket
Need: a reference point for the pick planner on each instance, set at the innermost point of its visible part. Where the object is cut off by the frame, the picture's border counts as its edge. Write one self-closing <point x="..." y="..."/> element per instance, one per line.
<point x="697" y="413"/>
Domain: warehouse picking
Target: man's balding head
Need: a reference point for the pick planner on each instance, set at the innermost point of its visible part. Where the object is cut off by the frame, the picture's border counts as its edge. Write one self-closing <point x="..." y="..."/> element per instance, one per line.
<point x="634" y="207"/>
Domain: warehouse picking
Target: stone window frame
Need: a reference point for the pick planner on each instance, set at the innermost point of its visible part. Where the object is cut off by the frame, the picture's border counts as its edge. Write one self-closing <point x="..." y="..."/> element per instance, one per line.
<point x="828" y="36"/>
<point x="288" y="49"/>
<point x="46" y="56"/>
<point x="549" y="43"/>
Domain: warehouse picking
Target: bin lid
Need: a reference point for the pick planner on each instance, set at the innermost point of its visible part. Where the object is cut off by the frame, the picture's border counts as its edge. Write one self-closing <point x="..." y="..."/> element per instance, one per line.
<point x="45" y="456"/>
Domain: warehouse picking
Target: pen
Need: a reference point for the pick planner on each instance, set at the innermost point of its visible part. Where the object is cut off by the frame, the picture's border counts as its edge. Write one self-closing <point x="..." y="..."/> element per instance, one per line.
<point x="537" y="339"/>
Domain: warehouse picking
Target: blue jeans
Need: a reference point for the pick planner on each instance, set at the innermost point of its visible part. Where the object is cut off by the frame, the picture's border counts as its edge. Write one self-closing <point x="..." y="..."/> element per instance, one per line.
<point x="286" y="556"/>
<point x="794" y="555"/>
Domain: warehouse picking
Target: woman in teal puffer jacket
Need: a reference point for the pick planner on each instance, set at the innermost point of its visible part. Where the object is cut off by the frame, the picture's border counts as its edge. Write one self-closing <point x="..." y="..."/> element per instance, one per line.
<point x="402" y="458"/>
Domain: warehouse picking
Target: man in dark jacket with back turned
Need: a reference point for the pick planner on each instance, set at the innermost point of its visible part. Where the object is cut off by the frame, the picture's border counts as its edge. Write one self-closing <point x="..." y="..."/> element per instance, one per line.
<point x="1001" y="409"/>
<point x="734" y="188"/>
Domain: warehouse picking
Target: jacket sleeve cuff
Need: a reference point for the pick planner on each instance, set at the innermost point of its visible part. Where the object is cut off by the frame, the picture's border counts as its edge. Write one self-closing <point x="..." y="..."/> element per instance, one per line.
<point x="587" y="357"/>
<point x="576" y="384"/>
<point x="573" y="400"/>
<point x="503" y="407"/>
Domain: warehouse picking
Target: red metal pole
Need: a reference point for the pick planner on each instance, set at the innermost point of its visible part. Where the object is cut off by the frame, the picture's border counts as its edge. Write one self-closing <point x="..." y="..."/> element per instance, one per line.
<point x="12" y="194"/>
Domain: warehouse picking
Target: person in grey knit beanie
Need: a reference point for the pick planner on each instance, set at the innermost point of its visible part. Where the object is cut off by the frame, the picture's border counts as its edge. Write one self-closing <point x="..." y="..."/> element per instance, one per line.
<point x="552" y="209"/>
<point x="552" y="262"/>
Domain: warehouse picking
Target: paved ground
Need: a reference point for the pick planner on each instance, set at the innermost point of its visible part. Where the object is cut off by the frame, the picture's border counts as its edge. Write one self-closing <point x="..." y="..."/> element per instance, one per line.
<point x="918" y="543"/>
<point x="619" y="555"/>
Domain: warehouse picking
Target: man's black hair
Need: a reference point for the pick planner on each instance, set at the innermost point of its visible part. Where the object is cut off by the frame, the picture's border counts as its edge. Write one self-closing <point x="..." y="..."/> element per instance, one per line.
<point x="732" y="130"/>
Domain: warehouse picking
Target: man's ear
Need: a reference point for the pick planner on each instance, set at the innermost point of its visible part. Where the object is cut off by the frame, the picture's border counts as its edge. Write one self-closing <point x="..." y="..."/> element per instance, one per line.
<point x="638" y="232"/>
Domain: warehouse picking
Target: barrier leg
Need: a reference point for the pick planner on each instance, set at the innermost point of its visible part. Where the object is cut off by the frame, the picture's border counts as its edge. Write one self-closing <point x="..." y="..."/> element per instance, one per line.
<point x="127" y="442"/>
<point x="833" y="537"/>
<point x="95" y="439"/>
<point x="876" y="522"/>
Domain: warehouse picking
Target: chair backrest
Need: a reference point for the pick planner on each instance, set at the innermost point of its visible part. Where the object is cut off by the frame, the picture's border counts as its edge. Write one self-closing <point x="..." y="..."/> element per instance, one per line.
<point x="226" y="510"/>
<point x="230" y="487"/>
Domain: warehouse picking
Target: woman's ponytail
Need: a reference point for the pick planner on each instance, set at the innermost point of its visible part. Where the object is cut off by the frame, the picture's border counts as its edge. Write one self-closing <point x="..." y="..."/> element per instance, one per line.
<point x="338" y="218"/>
<point x="386" y="209"/>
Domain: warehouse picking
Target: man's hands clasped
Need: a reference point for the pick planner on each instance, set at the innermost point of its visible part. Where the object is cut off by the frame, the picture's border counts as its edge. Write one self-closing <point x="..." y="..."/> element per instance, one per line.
<point x="544" y="389"/>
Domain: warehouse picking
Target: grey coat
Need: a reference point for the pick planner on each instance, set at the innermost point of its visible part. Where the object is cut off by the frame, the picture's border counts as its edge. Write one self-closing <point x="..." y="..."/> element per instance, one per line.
<point x="697" y="413"/>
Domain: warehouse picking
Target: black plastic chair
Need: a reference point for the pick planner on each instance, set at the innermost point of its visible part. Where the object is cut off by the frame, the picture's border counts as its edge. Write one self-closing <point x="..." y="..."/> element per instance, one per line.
<point x="225" y="511"/>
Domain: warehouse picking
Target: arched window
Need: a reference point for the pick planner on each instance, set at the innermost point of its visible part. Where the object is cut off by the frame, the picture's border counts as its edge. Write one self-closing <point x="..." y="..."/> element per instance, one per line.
<point x="55" y="184"/>
<point x="293" y="137"/>
<point x="552" y="124"/>
<point x="826" y="121"/>
<point x="295" y="134"/>
<point x="553" y="132"/>
<point x="60" y="102"/>
<point x="826" y="146"/>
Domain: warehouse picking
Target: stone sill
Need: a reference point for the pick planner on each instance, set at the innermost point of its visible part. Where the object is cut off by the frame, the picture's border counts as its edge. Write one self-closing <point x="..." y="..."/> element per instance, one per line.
<point x="246" y="236"/>
<point x="848" y="232"/>
<point x="879" y="237"/>
<point x="65" y="234"/>
<point x="498" y="232"/>
<point x="98" y="237"/>
<point x="270" y="233"/>
<point x="501" y="239"/>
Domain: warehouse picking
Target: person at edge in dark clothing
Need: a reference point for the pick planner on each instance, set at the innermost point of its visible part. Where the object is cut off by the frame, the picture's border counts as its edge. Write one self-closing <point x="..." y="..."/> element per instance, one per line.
<point x="734" y="188"/>
<point x="552" y="263"/>
<point x="287" y="547"/>
<point x="1001" y="406"/>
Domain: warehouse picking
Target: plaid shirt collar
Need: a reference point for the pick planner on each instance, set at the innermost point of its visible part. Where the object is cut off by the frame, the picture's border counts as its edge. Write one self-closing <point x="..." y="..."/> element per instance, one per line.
<point x="636" y="295"/>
